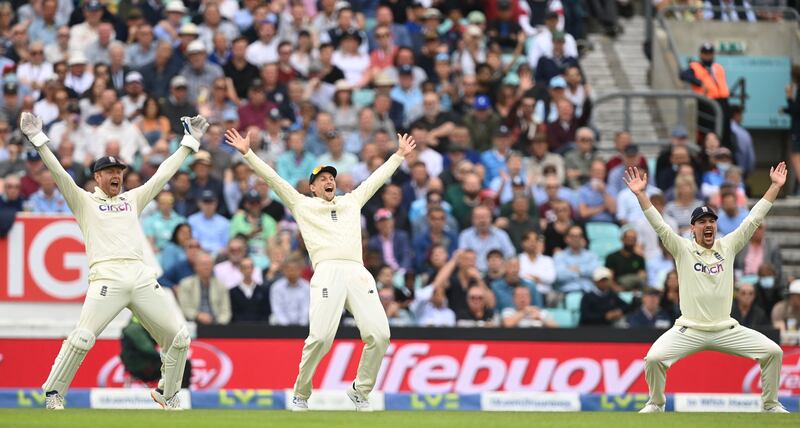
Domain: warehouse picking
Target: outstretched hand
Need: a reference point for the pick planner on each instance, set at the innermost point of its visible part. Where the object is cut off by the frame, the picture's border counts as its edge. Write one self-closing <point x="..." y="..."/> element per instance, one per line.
<point x="778" y="174"/>
<point x="407" y="144"/>
<point x="30" y="124"/>
<point x="235" y="139"/>
<point x="636" y="182"/>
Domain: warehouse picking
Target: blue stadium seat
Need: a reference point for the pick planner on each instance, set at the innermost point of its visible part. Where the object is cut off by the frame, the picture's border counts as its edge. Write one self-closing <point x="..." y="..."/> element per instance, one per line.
<point x="626" y="296"/>
<point x="572" y="301"/>
<point x="603" y="238"/>
<point x="563" y="317"/>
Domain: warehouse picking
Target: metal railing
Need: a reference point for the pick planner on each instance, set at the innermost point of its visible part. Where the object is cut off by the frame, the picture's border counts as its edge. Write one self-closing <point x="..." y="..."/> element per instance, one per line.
<point x="680" y="96"/>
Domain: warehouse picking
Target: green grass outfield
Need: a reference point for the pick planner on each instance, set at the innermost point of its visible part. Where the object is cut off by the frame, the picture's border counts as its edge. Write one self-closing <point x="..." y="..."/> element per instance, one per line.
<point x="86" y="418"/>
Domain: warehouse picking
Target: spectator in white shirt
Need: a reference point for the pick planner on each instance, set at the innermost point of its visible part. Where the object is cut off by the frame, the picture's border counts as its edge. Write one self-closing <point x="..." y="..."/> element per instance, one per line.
<point x="433" y="160"/>
<point x="265" y="49"/>
<point x="78" y="78"/>
<point x="430" y="308"/>
<point x="543" y="42"/>
<point x="36" y="71"/>
<point x="117" y="127"/>
<point x="85" y="33"/>
<point x="228" y="272"/>
<point x="535" y="266"/>
<point x="524" y="314"/>
<point x="353" y="63"/>
<point x="290" y="296"/>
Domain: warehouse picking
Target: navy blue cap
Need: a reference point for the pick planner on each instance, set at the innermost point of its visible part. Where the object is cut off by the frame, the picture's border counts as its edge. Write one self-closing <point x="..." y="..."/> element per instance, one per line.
<point x="703" y="211"/>
<point x="32" y="156"/>
<point x="208" y="196"/>
<point x="108" y="162"/>
<point x="503" y="131"/>
<point x="251" y="196"/>
<point x="405" y="69"/>
<point x="93" y="5"/>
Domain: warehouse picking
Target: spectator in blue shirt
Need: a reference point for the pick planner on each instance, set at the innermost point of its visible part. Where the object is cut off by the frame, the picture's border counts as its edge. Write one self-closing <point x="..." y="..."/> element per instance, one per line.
<point x="721" y="161"/>
<point x="504" y="286"/>
<point x="158" y="227"/>
<point x="436" y="234"/>
<point x="483" y="237"/>
<point x="731" y="215"/>
<point x="597" y="204"/>
<point x="11" y="198"/>
<point x="47" y="199"/>
<point x="494" y="159"/>
<point x="575" y="264"/>
<point x="295" y="163"/>
<point x="210" y="229"/>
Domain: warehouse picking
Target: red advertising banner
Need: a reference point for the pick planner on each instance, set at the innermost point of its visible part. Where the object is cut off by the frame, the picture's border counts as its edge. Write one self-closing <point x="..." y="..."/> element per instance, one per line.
<point x="43" y="259"/>
<point x="421" y="366"/>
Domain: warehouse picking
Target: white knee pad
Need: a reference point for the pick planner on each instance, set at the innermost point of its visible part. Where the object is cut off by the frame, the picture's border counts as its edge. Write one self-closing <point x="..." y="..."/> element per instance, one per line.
<point x="174" y="362"/>
<point x="69" y="359"/>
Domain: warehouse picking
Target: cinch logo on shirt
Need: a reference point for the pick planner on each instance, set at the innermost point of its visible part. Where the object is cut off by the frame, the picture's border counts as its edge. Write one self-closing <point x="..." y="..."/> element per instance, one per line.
<point x="125" y="206"/>
<point x="709" y="270"/>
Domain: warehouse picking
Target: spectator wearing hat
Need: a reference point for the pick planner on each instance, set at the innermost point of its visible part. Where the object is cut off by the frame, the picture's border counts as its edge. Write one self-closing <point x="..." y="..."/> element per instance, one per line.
<point x="135" y="96"/>
<point x="47" y="199"/>
<point x="295" y="162"/>
<point x="622" y="139"/>
<point x="238" y="69"/>
<point x="167" y="29"/>
<point x="786" y="313"/>
<point x="251" y="222"/>
<point x="177" y="104"/>
<point x="209" y="228"/>
<point x="203" y="180"/>
<point x="650" y="314"/>
<point x="473" y="51"/>
<point x="398" y="33"/>
<point x="504" y="28"/>
<point x="343" y="161"/>
<point x="550" y="66"/>
<point x="430" y="50"/>
<point x="631" y="157"/>
<point x="543" y="42"/>
<point x="142" y="50"/>
<point x="353" y="61"/>
<point x="494" y="159"/>
<point x="707" y="78"/>
<point x="79" y="79"/>
<point x="393" y="245"/>
<point x="29" y="183"/>
<point x="84" y="34"/>
<point x="483" y="123"/>
<point x="158" y="74"/>
<point x="600" y="304"/>
<point x="200" y="74"/>
<point x="483" y="237"/>
<point x="407" y="94"/>
<point x="265" y="49"/>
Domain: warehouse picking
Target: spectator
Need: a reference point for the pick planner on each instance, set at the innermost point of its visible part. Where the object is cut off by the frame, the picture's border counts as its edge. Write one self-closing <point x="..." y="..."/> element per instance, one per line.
<point x="185" y="202"/>
<point x="180" y="270"/>
<point x="597" y="204"/>
<point x="177" y="104"/>
<point x="550" y="66"/>
<point x="294" y="164"/>
<point x="228" y="271"/>
<point x="36" y="71"/>
<point x="482" y="237"/>
<point x="209" y="228"/>
<point x="202" y="297"/>
<point x="249" y="300"/>
<point x="15" y="163"/>
<point x="436" y="232"/>
<point x="203" y="180"/>
<point x="290" y="296"/>
<point x="721" y="162"/>
<point x="430" y="308"/>
<point x="670" y="299"/>
<point x="650" y="314"/>
<point x="393" y="245"/>
<point x="336" y="156"/>
<point x="647" y="236"/>
<point x="47" y="199"/>
<point x="159" y="226"/>
<point x="11" y="199"/>
<point x="745" y="153"/>
<point x="353" y="62"/>
<point x="433" y="160"/>
<point x="440" y="124"/>
<point x="134" y="98"/>
<point x="539" y="159"/>
<point x="118" y="128"/>
<point x="504" y="286"/>
<point x="265" y="49"/>
<point x="269" y="206"/>
<point x="768" y="290"/>
<point x="520" y="222"/>
<point x="627" y="263"/>
<point x="543" y="42"/>
<point x="786" y="313"/>
<point x="631" y="157"/>
<point x="760" y="250"/>
<point x="575" y="265"/>
<point x="385" y="17"/>
<point x="561" y="132"/>
<point x="141" y="51"/>
<point x="745" y="311"/>
<point x="556" y="229"/>
<point x="478" y="313"/>
<point x="547" y="193"/>
<point x="578" y="161"/>
<point x="535" y="266"/>
<point x="175" y="250"/>
<point x="457" y="276"/>
<point x="241" y="72"/>
<point x="601" y="305"/>
<point x="731" y="215"/>
<point x="252" y="223"/>
<point x="396" y="314"/>
<point x="494" y="159"/>
<point x="525" y="314"/>
<point x="407" y="93"/>
<point x="685" y="202"/>
<point x="79" y="79"/>
<point x="707" y="78"/>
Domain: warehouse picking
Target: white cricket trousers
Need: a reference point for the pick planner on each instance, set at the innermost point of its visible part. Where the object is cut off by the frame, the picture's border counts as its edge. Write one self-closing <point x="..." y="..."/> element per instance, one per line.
<point x="679" y="342"/>
<point x="339" y="284"/>
<point x="114" y="285"/>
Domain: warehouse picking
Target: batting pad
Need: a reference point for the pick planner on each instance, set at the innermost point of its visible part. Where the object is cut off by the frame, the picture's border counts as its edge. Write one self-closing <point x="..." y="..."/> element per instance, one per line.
<point x="174" y="362"/>
<point x="69" y="358"/>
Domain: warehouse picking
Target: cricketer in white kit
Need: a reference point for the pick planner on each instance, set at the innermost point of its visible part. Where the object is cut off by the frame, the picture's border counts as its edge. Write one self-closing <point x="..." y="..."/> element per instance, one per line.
<point x="118" y="277"/>
<point x="331" y="229"/>
<point x="705" y="283"/>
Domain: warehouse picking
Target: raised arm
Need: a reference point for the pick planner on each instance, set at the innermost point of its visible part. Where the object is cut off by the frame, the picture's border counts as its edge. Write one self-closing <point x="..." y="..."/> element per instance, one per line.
<point x="737" y="239"/>
<point x="193" y="130"/>
<point x="31" y="126"/>
<point x="289" y="196"/>
<point x="637" y="183"/>
<point x="374" y="182"/>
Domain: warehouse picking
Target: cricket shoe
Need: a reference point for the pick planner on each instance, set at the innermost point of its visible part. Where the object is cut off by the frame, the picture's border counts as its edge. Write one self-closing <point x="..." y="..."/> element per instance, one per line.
<point x="54" y="401"/>
<point x="299" y="404"/>
<point x="362" y="404"/>
<point x="652" y="408"/>
<point x="173" y="403"/>
<point x="775" y="409"/>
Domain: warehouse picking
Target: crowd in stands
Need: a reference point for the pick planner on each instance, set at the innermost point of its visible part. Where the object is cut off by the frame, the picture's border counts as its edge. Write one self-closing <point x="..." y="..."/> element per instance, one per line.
<point x="505" y="215"/>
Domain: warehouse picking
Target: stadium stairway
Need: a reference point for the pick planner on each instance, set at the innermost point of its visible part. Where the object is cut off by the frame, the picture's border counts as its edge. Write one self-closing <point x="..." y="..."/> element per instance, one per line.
<point x="620" y="65"/>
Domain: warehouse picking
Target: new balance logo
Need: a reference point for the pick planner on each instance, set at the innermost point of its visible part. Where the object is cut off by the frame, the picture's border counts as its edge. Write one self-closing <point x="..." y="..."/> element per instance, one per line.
<point x="324" y="293"/>
<point x="333" y="216"/>
<point x="103" y="290"/>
